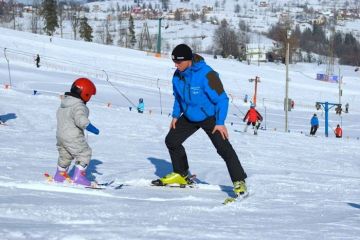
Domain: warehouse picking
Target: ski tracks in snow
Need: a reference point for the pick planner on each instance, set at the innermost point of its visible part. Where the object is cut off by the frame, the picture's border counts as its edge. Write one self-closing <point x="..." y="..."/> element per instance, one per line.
<point x="110" y="192"/>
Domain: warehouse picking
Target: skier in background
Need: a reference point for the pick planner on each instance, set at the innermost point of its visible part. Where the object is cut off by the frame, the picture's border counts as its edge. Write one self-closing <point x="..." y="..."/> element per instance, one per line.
<point x="245" y="98"/>
<point x="141" y="106"/>
<point x="37" y="61"/>
<point x="338" y="131"/>
<point x="199" y="102"/>
<point x="314" y="124"/>
<point x="72" y="120"/>
<point x="254" y="118"/>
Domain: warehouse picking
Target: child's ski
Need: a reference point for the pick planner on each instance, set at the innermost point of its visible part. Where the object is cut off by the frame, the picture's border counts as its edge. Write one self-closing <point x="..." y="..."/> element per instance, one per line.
<point x="94" y="185"/>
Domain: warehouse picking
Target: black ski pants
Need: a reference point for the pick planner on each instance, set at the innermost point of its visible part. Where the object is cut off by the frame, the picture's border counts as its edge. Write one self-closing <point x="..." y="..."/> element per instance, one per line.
<point x="313" y="129"/>
<point x="184" y="129"/>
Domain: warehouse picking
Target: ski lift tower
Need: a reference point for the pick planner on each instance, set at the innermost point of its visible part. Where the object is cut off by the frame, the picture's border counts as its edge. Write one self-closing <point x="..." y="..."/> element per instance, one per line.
<point x="330" y="57"/>
<point x="158" y="46"/>
<point x="256" y="80"/>
<point x="327" y="106"/>
<point x="145" y="40"/>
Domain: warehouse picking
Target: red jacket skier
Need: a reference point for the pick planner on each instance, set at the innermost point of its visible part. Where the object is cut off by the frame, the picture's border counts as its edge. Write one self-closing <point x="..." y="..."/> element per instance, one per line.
<point x="253" y="117"/>
<point x="338" y="131"/>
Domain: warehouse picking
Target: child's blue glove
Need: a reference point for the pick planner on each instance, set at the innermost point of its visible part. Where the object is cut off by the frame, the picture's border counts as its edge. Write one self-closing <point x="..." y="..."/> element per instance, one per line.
<point x="93" y="129"/>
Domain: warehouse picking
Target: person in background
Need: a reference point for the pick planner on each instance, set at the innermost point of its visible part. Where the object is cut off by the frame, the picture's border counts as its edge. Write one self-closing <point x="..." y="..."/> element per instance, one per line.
<point x="72" y="120"/>
<point x="200" y="101"/>
<point x="253" y="117"/>
<point x="314" y="124"/>
<point x="347" y="108"/>
<point x="338" y="131"/>
<point x="141" y="106"/>
<point x="37" y="60"/>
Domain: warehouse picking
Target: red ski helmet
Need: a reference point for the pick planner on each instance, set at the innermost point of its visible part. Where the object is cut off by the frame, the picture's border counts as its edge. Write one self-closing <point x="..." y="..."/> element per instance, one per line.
<point x="84" y="88"/>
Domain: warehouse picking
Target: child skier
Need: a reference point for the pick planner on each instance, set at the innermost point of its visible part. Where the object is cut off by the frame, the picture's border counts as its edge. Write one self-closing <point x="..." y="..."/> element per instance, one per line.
<point x="253" y="117"/>
<point x="141" y="106"/>
<point x="72" y="119"/>
<point x="338" y="131"/>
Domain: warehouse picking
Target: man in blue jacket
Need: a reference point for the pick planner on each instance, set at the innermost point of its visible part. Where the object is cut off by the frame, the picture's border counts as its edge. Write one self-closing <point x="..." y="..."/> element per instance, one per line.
<point x="200" y="102"/>
<point x="314" y="124"/>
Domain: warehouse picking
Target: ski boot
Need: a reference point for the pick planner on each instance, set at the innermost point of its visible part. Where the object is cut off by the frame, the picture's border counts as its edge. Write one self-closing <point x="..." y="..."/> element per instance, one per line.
<point x="173" y="179"/>
<point x="80" y="176"/>
<point x="61" y="175"/>
<point x="240" y="188"/>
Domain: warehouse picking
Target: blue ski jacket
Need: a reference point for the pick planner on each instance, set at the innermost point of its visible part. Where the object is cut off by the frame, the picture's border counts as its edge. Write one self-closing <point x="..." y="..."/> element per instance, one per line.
<point x="199" y="93"/>
<point x="314" y="121"/>
<point x="141" y="106"/>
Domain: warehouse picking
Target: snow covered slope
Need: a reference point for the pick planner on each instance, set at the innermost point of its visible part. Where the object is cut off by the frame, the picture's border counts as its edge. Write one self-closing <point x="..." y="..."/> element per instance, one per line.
<point x="301" y="187"/>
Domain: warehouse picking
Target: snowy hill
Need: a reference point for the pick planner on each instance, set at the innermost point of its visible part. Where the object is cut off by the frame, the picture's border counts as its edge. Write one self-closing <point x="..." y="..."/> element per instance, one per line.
<point x="300" y="187"/>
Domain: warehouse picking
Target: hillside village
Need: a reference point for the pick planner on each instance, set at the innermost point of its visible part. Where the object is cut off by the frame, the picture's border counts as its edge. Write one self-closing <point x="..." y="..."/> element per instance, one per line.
<point x="191" y="21"/>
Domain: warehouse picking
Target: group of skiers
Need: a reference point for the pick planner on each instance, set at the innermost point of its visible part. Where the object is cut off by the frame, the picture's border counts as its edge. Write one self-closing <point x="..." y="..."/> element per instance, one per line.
<point x="200" y="101"/>
<point x="315" y="125"/>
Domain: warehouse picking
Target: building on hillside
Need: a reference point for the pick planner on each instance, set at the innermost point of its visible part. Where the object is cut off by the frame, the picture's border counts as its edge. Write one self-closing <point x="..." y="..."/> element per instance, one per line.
<point x="321" y="20"/>
<point x="207" y="9"/>
<point x="27" y="9"/>
<point x="263" y="4"/>
<point x="255" y="53"/>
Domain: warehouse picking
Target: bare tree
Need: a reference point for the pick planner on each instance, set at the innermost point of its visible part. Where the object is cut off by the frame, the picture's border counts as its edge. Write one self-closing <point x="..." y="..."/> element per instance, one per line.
<point x="74" y="14"/>
<point x="226" y="40"/>
<point x="35" y="17"/>
<point x="61" y="16"/>
<point x="177" y="15"/>
<point x="9" y="12"/>
<point x="196" y="45"/>
<point x="108" y="38"/>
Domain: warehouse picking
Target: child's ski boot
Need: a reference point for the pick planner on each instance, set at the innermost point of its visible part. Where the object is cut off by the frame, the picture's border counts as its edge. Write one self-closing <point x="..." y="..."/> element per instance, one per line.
<point x="173" y="179"/>
<point x="61" y="175"/>
<point x="80" y="176"/>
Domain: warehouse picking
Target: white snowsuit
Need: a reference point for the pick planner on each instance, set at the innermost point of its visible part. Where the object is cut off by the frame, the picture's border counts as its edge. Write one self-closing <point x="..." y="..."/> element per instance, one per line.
<point x="72" y="119"/>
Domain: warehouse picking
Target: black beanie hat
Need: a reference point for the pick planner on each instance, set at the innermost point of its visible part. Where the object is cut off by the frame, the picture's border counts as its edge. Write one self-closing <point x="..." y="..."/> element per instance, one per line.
<point x="181" y="52"/>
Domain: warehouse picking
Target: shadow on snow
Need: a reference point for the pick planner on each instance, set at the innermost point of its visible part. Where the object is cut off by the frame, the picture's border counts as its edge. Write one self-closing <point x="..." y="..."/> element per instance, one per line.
<point x="7" y="117"/>
<point x="354" y="205"/>
<point x="163" y="167"/>
<point x="91" y="169"/>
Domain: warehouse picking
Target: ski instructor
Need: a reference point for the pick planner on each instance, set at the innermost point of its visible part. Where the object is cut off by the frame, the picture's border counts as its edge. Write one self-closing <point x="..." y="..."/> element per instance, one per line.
<point x="200" y="102"/>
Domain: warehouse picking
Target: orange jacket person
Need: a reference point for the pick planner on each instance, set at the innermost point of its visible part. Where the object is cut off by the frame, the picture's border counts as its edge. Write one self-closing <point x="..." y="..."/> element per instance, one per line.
<point x="338" y="131"/>
<point x="252" y="117"/>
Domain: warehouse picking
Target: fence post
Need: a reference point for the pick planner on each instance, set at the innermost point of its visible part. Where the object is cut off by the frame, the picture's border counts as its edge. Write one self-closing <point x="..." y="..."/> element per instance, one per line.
<point x="8" y="66"/>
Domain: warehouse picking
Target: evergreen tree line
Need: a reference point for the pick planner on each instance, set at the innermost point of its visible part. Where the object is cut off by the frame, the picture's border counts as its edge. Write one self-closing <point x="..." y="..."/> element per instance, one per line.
<point x="341" y="45"/>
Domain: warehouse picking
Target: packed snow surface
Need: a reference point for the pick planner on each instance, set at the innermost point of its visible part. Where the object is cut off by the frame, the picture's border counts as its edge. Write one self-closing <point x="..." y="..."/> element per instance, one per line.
<point x="300" y="187"/>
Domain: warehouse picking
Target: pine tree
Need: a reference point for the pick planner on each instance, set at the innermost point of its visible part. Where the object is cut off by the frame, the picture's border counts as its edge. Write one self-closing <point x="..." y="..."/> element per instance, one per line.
<point x="132" y="31"/>
<point x="85" y="30"/>
<point x="48" y="12"/>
